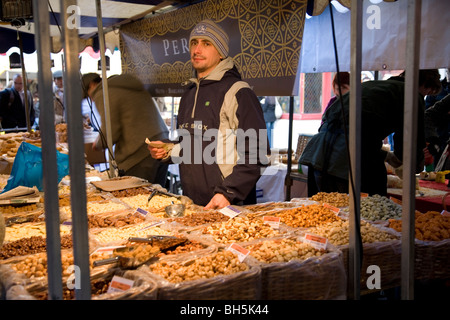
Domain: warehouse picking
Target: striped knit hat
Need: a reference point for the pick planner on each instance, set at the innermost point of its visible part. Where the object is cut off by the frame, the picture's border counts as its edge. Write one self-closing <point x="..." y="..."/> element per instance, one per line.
<point x="209" y="30"/>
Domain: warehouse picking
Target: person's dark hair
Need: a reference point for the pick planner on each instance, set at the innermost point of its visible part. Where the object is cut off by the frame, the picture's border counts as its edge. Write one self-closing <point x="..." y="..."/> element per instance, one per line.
<point x="344" y="78"/>
<point x="430" y="78"/>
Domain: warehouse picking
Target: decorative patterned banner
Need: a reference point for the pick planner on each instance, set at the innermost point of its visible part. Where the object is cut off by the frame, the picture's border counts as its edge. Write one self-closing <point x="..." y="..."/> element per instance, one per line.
<point x="265" y="42"/>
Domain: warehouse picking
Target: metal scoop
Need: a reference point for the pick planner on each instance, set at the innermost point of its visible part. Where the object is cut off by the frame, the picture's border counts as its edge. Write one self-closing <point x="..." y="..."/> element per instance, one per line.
<point x="164" y="243"/>
<point x="130" y="257"/>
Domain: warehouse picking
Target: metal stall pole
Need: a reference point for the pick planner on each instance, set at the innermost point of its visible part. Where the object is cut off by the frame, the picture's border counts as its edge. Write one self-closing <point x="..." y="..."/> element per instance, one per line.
<point x="47" y="129"/>
<point x="101" y="38"/>
<point x="288" y="178"/>
<point x="72" y="101"/>
<point x="25" y="85"/>
<point x="410" y="147"/>
<point x="354" y="254"/>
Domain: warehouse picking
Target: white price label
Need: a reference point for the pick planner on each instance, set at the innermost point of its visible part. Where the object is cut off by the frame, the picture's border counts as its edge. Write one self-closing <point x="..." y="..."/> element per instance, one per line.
<point x="119" y="284"/>
<point x="230" y="211"/>
<point x="316" y="241"/>
<point x="274" y="222"/>
<point x="142" y="211"/>
<point x="241" y="252"/>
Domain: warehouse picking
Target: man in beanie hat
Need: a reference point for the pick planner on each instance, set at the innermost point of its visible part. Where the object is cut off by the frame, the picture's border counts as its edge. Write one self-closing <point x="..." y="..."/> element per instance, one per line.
<point x="134" y="117"/>
<point x="216" y="98"/>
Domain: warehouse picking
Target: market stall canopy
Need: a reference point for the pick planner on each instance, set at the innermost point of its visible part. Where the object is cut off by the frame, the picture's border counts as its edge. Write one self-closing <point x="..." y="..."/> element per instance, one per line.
<point x="265" y="41"/>
<point x="114" y="14"/>
<point x="383" y="37"/>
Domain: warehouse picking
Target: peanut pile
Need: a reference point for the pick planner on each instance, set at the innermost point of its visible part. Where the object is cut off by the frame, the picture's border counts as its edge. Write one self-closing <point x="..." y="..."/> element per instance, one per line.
<point x="220" y="263"/>
<point x="334" y="199"/>
<point x="35" y="265"/>
<point x="239" y="229"/>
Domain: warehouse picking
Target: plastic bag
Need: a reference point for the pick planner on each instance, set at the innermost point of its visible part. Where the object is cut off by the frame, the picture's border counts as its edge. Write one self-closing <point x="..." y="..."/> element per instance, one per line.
<point x="27" y="168"/>
<point x="278" y="109"/>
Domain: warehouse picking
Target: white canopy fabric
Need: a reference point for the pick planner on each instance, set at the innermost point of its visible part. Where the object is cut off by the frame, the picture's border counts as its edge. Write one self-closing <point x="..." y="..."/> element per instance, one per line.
<point x="383" y="37"/>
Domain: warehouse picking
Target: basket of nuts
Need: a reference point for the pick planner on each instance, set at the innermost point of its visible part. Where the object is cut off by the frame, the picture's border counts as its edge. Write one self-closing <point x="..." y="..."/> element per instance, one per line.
<point x="380" y="247"/>
<point x="432" y="244"/>
<point x="295" y="270"/>
<point x="216" y="276"/>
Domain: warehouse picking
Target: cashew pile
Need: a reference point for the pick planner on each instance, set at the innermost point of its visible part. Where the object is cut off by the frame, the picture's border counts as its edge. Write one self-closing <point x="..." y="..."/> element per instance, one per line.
<point x="283" y="250"/>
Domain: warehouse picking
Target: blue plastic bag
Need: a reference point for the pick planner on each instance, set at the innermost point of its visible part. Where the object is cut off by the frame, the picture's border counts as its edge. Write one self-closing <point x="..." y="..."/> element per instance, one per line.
<point x="27" y="168"/>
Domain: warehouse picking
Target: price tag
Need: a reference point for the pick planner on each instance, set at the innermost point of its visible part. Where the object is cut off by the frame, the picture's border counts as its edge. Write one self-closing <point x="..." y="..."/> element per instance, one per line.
<point x="119" y="284"/>
<point x="152" y="225"/>
<point x="230" y="211"/>
<point x="334" y="209"/>
<point x="141" y="211"/>
<point x="106" y="249"/>
<point x="364" y="195"/>
<point x="274" y="222"/>
<point x="445" y="213"/>
<point x="241" y="252"/>
<point x="395" y="200"/>
<point x="316" y="241"/>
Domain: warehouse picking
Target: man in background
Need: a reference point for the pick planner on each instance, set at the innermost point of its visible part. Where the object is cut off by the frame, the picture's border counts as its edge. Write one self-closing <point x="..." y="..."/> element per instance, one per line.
<point x="134" y="117"/>
<point x="12" y="106"/>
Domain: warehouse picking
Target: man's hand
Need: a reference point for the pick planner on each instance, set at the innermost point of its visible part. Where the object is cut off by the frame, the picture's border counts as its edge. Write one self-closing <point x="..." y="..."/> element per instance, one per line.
<point x="433" y="145"/>
<point x="217" y="202"/>
<point x="156" y="151"/>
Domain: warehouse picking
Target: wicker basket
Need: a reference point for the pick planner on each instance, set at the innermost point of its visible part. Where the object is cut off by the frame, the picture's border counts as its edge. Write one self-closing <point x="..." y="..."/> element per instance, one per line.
<point x="144" y="288"/>
<point x="302" y="141"/>
<point x="432" y="259"/>
<point x="385" y="255"/>
<point x="245" y="285"/>
<point x="318" y="278"/>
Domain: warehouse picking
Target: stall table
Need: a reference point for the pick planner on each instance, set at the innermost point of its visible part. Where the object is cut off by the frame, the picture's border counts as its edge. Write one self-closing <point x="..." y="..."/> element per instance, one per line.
<point x="424" y="203"/>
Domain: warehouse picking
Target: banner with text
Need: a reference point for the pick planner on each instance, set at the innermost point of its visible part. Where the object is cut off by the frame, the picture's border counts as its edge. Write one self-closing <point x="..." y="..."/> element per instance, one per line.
<point x="265" y="42"/>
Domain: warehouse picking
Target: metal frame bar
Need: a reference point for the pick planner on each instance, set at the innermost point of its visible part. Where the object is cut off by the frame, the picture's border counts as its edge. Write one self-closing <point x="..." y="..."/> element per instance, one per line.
<point x="410" y="147"/>
<point x="49" y="163"/>
<point x="101" y="38"/>
<point x="354" y="256"/>
<point x="72" y="102"/>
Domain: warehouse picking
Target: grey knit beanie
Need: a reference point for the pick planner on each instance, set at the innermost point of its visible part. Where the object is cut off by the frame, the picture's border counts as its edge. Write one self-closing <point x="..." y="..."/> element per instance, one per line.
<point x="209" y="30"/>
